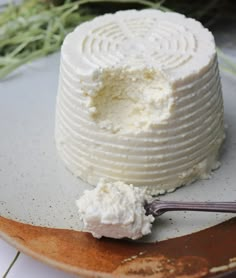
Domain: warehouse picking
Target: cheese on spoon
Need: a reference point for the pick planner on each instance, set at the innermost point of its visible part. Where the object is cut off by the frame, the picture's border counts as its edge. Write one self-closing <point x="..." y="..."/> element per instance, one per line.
<point x="115" y="210"/>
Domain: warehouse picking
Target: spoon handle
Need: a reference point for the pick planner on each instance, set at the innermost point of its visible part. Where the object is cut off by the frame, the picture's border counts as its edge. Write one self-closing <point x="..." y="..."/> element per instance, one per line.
<point x="157" y="207"/>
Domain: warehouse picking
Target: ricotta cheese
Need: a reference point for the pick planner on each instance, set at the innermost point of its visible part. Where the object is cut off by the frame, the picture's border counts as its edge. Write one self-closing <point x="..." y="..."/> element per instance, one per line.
<point x="140" y="100"/>
<point x="115" y="210"/>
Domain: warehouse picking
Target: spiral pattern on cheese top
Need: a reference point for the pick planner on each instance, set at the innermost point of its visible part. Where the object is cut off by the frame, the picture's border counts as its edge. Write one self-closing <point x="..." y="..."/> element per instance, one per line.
<point x="140" y="100"/>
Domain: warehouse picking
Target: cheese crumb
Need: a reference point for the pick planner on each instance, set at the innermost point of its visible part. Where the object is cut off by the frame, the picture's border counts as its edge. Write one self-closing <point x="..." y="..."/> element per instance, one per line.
<point x="116" y="210"/>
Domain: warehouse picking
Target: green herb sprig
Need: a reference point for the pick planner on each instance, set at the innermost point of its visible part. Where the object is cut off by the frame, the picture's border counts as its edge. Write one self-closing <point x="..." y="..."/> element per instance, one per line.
<point x="227" y="64"/>
<point x="32" y="30"/>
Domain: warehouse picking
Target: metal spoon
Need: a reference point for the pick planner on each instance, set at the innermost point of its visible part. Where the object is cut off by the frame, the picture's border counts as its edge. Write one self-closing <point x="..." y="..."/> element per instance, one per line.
<point x="157" y="207"/>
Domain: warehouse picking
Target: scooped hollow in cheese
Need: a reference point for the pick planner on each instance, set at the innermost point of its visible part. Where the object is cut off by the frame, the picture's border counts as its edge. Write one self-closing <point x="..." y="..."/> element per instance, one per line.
<point x="131" y="100"/>
<point x="115" y="210"/>
<point x="140" y="100"/>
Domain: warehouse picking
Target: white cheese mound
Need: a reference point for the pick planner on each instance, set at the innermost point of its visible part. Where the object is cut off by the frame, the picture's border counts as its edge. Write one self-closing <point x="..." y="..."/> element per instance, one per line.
<point x="115" y="210"/>
<point x="140" y="100"/>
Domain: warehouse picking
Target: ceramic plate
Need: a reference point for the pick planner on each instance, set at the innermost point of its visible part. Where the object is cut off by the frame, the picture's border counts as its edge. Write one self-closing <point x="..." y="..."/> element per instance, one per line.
<point x="37" y="195"/>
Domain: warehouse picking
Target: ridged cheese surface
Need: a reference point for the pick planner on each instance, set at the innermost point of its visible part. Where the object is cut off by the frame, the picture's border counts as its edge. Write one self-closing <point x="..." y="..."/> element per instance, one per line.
<point x="140" y="100"/>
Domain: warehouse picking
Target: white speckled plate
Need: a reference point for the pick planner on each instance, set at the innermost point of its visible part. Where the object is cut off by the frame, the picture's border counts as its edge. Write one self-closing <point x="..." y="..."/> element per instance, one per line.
<point x="36" y="188"/>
